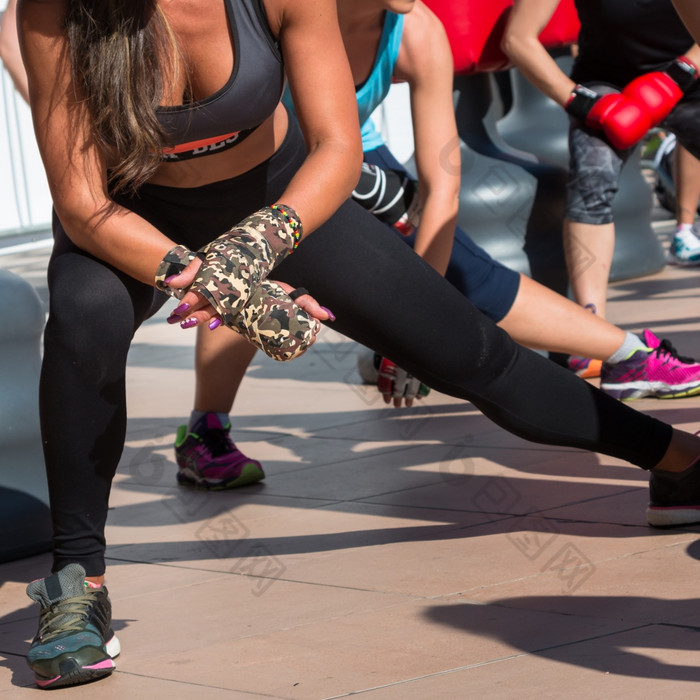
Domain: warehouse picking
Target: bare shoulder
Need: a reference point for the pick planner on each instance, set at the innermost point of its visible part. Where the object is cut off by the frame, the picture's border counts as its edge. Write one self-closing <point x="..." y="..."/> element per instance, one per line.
<point x="424" y="45"/>
<point x="41" y="29"/>
<point x="46" y="16"/>
<point x="47" y="7"/>
<point x="422" y="23"/>
<point x="285" y="13"/>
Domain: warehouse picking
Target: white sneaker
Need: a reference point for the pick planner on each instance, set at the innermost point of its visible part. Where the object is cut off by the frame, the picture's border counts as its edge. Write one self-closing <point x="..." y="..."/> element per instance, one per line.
<point x="685" y="248"/>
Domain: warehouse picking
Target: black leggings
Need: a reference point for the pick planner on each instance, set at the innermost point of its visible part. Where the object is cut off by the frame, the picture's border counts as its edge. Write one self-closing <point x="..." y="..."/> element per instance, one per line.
<point x="383" y="295"/>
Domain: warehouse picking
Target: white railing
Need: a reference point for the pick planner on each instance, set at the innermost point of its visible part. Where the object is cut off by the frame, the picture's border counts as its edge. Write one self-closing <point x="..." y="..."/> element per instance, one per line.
<point x="25" y="202"/>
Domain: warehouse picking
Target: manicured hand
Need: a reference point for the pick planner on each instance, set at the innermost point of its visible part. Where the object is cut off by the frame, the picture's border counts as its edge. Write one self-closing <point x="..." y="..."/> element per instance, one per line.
<point x="281" y="326"/>
<point x="234" y="264"/>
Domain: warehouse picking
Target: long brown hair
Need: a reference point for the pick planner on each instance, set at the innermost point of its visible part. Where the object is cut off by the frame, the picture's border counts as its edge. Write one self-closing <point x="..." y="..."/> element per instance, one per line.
<point x="121" y="54"/>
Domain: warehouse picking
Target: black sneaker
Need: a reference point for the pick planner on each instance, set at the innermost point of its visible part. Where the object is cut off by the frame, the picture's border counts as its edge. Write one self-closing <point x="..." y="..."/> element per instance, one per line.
<point x="75" y="643"/>
<point x="674" y="498"/>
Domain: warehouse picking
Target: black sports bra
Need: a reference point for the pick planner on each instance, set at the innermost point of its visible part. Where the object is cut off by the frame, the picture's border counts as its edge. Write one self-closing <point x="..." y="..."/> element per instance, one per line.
<point x="249" y="97"/>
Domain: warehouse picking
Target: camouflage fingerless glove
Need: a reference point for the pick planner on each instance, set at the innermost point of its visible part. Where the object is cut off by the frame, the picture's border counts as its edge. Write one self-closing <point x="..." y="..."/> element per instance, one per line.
<point x="275" y="324"/>
<point x="174" y="262"/>
<point x="237" y="262"/>
<point x="269" y="319"/>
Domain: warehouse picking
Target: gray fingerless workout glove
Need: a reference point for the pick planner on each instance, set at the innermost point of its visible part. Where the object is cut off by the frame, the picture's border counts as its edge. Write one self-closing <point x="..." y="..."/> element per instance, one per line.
<point x="234" y="264"/>
<point x="398" y="383"/>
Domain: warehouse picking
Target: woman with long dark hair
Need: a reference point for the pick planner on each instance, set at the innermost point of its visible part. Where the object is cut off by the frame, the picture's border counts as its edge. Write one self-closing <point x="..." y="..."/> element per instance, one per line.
<point x="166" y="148"/>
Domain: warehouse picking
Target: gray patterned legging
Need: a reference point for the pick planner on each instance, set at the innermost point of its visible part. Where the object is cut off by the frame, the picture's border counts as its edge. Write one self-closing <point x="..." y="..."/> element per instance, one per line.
<point x="595" y="166"/>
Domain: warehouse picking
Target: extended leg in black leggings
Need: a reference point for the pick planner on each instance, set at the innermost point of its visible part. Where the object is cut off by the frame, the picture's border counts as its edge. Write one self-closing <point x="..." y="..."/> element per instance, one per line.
<point x="384" y="296"/>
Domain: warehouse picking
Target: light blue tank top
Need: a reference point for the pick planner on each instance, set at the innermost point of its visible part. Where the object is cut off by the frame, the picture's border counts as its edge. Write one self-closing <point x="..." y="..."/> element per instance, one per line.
<point x="371" y="93"/>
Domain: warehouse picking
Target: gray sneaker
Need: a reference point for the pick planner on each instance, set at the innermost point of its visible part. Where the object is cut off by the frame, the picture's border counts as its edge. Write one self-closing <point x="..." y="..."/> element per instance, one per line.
<point x="75" y="643"/>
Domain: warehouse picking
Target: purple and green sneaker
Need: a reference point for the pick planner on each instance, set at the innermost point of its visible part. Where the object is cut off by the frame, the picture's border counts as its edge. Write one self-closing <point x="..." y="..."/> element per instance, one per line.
<point x="658" y="371"/>
<point x="75" y="643"/>
<point x="208" y="459"/>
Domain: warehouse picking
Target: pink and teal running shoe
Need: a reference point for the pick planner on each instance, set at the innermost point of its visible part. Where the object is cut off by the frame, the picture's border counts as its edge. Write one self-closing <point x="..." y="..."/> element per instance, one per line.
<point x="208" y="459"/>
<point x="75" y="643"/>
<point x="657" y="371"/>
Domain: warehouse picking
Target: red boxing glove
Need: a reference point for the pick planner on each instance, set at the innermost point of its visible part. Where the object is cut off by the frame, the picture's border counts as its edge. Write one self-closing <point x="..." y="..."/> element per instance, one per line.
<point x="623" y="121"/>
<point x="659" y="92"/>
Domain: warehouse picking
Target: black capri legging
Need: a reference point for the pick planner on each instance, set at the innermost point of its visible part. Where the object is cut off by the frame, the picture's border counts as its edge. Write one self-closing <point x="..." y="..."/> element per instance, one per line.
<point x="383" y="295"/>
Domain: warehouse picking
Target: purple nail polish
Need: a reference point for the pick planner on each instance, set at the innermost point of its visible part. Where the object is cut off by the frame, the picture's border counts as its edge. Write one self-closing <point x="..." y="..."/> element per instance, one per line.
<point x="180" y="309"/>
<point x="168" y="280"/>
<point x="189" y="323"/>
<point x="214" y="323"/>
<point x="172" y="319"/>
<point x="331" y="315"/>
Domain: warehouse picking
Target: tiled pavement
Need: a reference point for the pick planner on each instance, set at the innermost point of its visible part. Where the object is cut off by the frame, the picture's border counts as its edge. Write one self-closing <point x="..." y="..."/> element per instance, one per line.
<point x="389" y="554"/>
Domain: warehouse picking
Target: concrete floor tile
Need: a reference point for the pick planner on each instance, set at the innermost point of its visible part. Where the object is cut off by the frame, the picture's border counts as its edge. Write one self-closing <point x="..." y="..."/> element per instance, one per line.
<point x="348" y="651"/>
<point x="623" y="665"/>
